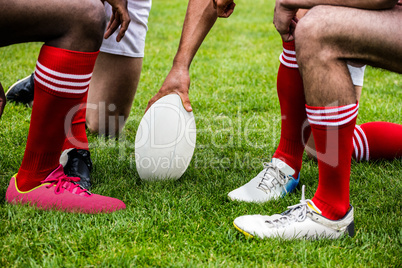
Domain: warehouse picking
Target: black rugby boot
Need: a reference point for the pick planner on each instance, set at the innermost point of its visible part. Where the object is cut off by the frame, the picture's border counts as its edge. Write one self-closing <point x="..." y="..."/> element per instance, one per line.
<point x="78" y="163"/>
<point x="22" y="91"/>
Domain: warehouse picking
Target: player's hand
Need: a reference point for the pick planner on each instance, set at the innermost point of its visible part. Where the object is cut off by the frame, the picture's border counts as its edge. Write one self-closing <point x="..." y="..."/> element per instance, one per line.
<point x="177" y="81"/>
<point x="285" y="21"/>
<point x="119" y="17"/>
<point x="2" y="100"/>
<point x="224" y="8"/>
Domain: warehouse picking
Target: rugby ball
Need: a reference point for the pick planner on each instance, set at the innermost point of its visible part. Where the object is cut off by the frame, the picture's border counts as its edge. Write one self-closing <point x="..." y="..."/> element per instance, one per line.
<point x="165" y="140"/>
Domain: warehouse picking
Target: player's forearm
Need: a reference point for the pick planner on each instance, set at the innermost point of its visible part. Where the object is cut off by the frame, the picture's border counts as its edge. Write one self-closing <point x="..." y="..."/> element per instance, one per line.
<point x="200" y="17"/>
<point x="364" y="4"/>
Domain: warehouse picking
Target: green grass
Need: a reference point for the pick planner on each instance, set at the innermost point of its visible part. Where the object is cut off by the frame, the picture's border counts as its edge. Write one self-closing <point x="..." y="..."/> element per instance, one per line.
<point x="189" y="222"/>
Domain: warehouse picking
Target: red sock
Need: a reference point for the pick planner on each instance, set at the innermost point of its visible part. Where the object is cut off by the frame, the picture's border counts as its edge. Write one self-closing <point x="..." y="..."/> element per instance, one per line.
<point x="333" y="129"/>
<point x="294" y="126"/>
<point x="77" y="136"/>
<point x="377" y="140"/>
<point x="61" y="81"/>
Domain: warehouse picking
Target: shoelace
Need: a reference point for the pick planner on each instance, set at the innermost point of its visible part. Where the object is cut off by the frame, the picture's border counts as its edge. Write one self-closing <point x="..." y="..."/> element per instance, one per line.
<point x="296" y="212"/>
<point x="272" y="176"/>
<point x="63" y="183"/>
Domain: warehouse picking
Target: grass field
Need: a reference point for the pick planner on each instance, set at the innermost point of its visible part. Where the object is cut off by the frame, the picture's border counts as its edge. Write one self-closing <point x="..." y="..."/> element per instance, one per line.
<point x="189" y="222"/>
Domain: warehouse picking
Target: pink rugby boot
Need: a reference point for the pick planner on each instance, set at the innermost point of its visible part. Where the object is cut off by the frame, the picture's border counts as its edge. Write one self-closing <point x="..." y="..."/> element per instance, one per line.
<point x="60" y="192"/>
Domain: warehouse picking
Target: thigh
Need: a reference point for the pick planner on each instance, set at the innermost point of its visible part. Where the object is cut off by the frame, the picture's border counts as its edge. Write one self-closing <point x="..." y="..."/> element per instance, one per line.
<point x="114" y="82"/>
<point x="369" y="36"/>
<point x="44" y="20"/>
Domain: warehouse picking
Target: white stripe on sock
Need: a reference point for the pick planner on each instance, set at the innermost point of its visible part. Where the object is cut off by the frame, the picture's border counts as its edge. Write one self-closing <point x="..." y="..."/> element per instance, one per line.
<point x="64" y="75"/>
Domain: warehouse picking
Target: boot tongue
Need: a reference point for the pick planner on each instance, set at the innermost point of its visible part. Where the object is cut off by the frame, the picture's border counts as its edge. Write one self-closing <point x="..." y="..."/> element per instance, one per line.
<point x="282" y="166"/>
<point x="57" y="172"/>
<point x="312" y="206"/>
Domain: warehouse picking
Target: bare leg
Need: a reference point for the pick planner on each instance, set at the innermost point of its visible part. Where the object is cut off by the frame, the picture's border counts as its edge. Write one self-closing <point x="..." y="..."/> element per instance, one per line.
<point x="111" y="92"/>
<point x="58" y="24"/>
<point x="326" y="38"/>
<point x="371" y="37"/>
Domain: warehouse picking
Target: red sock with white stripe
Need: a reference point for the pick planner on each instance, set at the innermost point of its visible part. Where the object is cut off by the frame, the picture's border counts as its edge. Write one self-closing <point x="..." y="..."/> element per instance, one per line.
<point x="333" y="129"/>
<point x="377" y="140"/>
<point x="61" y="82"/>
<point x="294" y="130"/>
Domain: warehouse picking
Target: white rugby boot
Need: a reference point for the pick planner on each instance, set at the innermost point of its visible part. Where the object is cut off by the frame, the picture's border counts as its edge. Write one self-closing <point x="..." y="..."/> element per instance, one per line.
<point x="273" y="182"/>
<point x="301" y="221"/>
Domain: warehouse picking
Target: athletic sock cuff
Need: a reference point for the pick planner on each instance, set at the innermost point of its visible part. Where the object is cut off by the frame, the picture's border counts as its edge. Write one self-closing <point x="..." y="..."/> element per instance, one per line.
<point x="331" y="116"/>
<point x="288" y="56"/>
<point x="64" y="73"/>
<point x="289" y="45"/>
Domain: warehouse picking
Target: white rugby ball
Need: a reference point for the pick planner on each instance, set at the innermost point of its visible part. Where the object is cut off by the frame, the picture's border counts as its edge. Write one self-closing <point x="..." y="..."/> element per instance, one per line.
<point x="165" y="140"/>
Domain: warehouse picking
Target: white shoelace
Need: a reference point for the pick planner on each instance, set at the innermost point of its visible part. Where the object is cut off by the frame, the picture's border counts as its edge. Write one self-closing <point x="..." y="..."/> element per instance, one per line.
<point x="272" y="177"/>
<point x="296" y="212"/>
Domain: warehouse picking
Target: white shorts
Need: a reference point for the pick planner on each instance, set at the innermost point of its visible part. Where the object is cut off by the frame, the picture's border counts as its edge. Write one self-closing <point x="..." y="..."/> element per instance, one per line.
<point x="357" y="74"/>
<point x="133" y="43"/>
